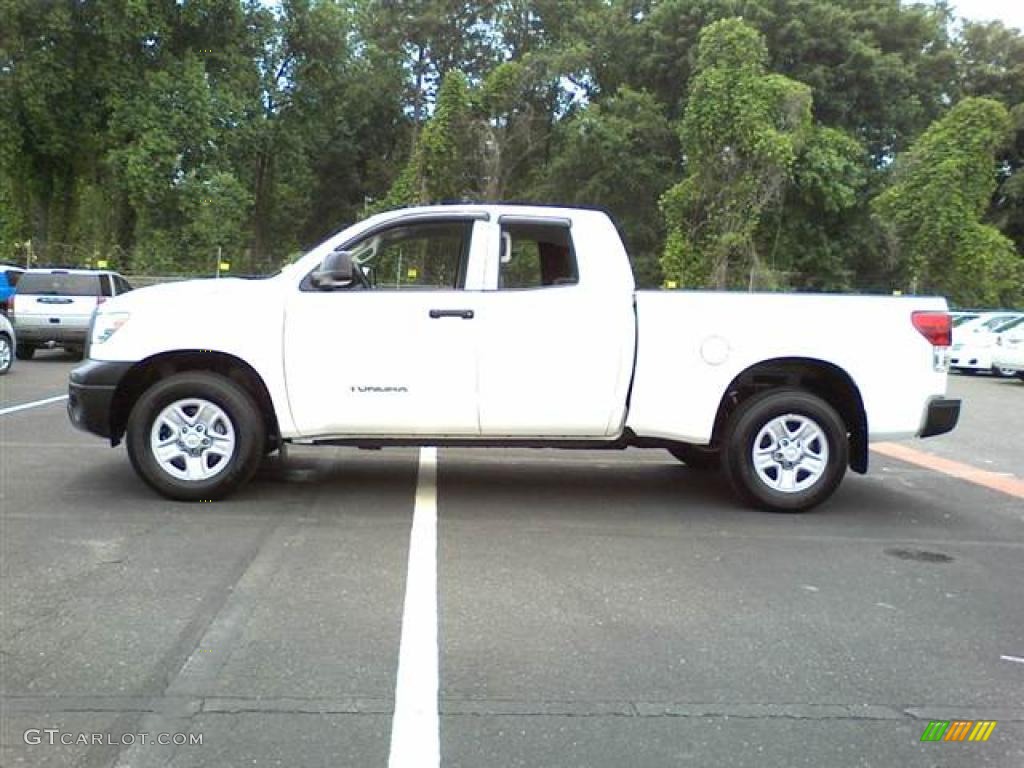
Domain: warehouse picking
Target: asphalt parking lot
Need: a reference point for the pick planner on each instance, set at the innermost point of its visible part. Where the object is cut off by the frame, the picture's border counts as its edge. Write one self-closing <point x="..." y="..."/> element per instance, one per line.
<point x="594" y="609"/>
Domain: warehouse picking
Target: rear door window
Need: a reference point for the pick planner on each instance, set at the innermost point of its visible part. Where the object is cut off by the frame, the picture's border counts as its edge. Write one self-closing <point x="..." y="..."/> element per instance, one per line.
<point x="59" y="284"/>
<point x="536" y="255"/>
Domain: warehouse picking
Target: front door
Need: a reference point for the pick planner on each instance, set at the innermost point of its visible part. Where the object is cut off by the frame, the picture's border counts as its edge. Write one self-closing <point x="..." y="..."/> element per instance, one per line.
<point x="395" y="353"/>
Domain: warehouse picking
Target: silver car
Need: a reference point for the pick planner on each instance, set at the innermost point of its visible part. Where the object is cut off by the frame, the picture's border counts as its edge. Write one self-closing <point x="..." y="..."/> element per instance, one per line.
<point x="54" y="307"/>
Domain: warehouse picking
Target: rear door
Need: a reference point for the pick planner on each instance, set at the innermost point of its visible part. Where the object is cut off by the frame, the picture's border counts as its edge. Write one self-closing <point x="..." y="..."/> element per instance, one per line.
<point x="557" y="332"/>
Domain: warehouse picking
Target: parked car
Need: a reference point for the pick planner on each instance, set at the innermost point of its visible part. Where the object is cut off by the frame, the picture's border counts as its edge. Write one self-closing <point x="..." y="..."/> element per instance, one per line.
<point x="962" y="318"/>
<point x="1008" y="355"/>
<point x="9" y="276"/>
<point x="54" y="307"/>
<point x="8" y="343"/>
<point x="973" y="342"/>
<point x="495" y="325"/>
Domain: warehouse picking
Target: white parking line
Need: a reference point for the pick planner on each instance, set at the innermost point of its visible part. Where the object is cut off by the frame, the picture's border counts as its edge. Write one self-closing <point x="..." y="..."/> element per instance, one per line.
<point x="415" y="728"/>
<point x="33" y="404"/>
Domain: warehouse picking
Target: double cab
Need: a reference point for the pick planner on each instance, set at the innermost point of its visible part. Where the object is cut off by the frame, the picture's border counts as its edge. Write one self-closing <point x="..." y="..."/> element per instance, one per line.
<point x="496" y="325"/>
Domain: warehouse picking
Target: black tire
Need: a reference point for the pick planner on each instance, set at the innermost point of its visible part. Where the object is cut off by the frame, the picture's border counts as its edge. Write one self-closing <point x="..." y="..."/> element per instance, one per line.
<point x="1002" y="373"/>
<point x="240" y="409"/>
<point x="6" y="354"/>
<point x="76" y="352"/>
<point x="697" y="457"/>
<point x="25" y="352"/>
<point x="1020" y="375"/>
<point x="745" y="425"/>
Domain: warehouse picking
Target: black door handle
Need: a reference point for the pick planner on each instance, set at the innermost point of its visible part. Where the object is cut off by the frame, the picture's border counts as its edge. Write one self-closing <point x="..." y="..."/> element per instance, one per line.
<point x="465" y="314"/>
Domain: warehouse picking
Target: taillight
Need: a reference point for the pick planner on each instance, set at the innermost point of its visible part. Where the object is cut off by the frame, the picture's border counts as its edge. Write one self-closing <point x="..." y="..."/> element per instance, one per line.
<point x="937" y="327"/>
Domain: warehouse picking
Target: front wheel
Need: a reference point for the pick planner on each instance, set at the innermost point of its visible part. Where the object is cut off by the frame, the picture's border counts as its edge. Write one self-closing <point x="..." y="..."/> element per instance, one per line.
<point x="786" y="450"/>
<point x="195" y="436"/>
<point x="25" y="352"/>
<point x="1003" y="373"/>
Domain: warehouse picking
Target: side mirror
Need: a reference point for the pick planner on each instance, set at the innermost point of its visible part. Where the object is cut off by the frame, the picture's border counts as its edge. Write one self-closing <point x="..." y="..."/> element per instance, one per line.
<point x="336" y="271"/>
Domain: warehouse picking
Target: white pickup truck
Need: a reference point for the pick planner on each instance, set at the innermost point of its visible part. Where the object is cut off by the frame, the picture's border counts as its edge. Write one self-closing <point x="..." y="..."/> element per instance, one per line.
<point x="494" y="325"/>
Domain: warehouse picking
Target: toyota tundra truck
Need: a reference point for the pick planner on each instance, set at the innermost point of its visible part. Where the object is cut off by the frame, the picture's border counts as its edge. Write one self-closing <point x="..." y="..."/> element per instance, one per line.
<point x="495" y="325"/>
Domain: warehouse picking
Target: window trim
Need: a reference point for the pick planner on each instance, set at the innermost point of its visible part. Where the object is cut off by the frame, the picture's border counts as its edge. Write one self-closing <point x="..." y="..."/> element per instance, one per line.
<point x="542" y="221"/>
<point x="465" y="220"/>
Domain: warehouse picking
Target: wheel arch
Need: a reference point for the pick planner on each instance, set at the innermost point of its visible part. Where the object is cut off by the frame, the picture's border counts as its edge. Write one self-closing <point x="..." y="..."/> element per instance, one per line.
<point x="819" y="377"/>
<point x="146" y="372"/>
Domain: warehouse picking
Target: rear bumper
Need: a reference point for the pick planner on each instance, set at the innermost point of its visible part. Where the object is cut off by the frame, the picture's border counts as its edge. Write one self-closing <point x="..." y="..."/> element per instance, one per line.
<point x="91" y="389"/>
<point x="61" y="334"/>
<point x="941" y="417"/>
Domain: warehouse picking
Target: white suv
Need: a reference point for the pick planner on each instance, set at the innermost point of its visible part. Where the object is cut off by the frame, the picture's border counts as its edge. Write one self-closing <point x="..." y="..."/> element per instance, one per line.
<point x="53" y="307"/>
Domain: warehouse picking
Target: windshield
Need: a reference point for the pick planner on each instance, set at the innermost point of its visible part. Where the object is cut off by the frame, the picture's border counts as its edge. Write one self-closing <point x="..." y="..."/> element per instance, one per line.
<point x="59" y="284"/>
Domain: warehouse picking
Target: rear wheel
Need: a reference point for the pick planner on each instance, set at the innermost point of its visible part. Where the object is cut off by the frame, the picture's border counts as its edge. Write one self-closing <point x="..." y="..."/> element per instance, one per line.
<point x="195" y="436"/>
<point x="76" y="352"/>
<point x="786" y="450"/>
<point x="25" y="352"/>
<point x="1005" y="373"/>
<point x="6" y="354"/>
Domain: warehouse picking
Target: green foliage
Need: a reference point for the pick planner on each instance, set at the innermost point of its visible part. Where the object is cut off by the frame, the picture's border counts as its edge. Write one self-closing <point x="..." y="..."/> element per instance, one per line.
<point x="119" y="118"/>
<point x="620" y="154"/>
<point x="935" y="206"/>
<point x="741" y="133"/>
<point x="438" y="170"/>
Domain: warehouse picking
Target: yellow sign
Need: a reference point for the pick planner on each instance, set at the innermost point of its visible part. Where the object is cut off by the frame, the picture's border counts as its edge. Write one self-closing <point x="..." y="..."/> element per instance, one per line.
<point x="101" y="264"/>
<point x="671" y="284"/>
<point x="225" y="266"/>
<point x="413" y="273"/>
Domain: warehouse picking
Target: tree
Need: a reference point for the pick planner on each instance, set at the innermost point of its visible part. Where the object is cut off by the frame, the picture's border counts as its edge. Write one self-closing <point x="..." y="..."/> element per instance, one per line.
<point x="814" y="239"/>
<point x="935" y="207"/>
<point x="619" y="154"/>
<point x="442" y="164"/>
<point x="741" y="134"/>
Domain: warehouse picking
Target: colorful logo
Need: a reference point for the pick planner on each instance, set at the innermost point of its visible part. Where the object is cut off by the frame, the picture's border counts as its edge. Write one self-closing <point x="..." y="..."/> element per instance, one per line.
<point x="959" y="730"/>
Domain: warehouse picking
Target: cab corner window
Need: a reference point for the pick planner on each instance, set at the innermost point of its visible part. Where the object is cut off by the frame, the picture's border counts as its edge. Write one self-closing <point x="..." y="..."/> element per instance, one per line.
<point x="536" y="256"/>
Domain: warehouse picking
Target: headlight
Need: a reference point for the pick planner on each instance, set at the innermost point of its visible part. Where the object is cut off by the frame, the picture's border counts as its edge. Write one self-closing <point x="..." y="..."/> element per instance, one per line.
<point x="106" y="325"/>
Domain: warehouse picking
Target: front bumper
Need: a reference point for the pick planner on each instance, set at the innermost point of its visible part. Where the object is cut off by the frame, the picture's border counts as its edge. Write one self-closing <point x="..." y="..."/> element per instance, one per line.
<point x="91" y="389"/>
<point x="941" y="417"/>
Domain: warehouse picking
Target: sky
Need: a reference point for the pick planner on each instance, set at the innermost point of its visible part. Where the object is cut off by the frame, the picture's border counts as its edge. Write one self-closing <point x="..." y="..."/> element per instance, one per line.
<point x="1010" y="12"/>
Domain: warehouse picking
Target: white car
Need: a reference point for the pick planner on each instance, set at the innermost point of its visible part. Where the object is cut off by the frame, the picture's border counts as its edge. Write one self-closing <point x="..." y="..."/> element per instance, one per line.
<point x="975" y="340"/>
<point x="8" y="343"/>
<point x="1008" y="355"/>
<point x="53" y="307"/>
<point x="496" y="325"/>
